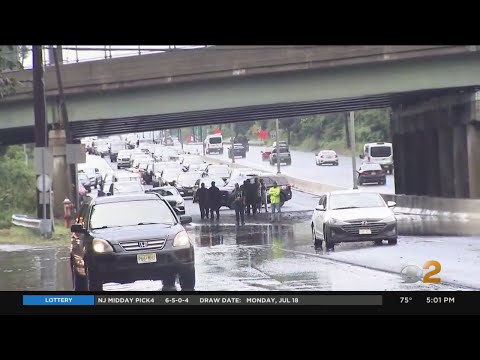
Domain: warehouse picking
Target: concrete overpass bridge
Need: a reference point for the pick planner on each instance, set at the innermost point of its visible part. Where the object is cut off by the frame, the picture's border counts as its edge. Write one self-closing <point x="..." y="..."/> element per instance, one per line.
<point x="432" y="91"/>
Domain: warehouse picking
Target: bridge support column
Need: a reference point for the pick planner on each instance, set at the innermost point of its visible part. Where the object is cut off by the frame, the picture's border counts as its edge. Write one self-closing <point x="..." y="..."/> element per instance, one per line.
<point x="61" y="172"/>
<point x="473" y="150"/>
<point x="460" y="161"/>
<point x="438" y="140"/>
<point x="445" y="156"/>
<point x="432" y="166"/>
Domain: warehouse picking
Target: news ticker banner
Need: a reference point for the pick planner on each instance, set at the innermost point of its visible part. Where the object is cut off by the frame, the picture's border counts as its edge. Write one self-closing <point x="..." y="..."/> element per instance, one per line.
<point x="94" y="300"/>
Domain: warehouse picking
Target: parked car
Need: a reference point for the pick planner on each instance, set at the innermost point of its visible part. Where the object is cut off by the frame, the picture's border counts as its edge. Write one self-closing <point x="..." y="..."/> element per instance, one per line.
<point x="127" y="187"/>
<point x="169" y="176"/>
<point x="126" y="238"/>
<point x="219" y="182"/>
<point x="185" y="182"/>
<point x="269" y="179"/>
<point x="173" y="197"/>
<point x="266" y="154"/>
<point x="371" y="173"/>
<point x="85" y="181"/>
<point x="192" y="162"/>
<point x="222" y="171"/>
<point x="238" y="150"/>
<point x="94" y="176"/>
<point x="326" y="157"/>
<point x="351" y="216"/>
<point x="123" y="159"/>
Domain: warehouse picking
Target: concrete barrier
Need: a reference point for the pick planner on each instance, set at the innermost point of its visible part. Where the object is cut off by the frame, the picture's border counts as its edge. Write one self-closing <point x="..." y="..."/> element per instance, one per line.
<point x="423" y="215"/>
<point x="416" y="215"/>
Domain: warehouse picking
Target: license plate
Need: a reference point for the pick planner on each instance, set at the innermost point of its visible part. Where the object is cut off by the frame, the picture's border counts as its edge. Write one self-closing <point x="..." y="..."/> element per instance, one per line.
<point x="146" y="258"/>
<point x="374" y="172"/>
<point x="364" y="231"/>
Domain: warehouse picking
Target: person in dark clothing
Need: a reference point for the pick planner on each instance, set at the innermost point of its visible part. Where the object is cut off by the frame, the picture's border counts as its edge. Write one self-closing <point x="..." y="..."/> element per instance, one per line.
<point x="202" y="196"/>
<point x="214" y="200"/>
<point x="263" y="196"/>
<point x="251" y="194"/>
<point x="244" y="188"/>
<point x="239" y="204"/>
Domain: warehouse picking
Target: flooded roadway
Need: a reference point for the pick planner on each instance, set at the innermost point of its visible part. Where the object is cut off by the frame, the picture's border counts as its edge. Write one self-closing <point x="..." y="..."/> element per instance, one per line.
<point x="254" y="257"/>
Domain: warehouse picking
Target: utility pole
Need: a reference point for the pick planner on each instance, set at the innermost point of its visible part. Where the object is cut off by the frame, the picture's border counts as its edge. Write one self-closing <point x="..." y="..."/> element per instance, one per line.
<point x="72" y="175"/>
<point x="232" y="144"/>
<point x="278" y="147"/>
<point x="180" y="137"/>
<point x="351" y="131"/>
<point x="201" y="139"/>
<point x="41" y="137"/>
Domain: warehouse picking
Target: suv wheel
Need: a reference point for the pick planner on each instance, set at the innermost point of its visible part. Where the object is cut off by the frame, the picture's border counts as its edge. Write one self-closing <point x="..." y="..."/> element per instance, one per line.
<point x="392" y="242"/>
<point x="168" y="282"/>
<point x="187" y="279"/>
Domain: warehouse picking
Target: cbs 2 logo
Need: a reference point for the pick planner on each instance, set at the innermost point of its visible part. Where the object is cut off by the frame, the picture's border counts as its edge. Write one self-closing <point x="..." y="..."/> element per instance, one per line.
<point x="427" y="278"/>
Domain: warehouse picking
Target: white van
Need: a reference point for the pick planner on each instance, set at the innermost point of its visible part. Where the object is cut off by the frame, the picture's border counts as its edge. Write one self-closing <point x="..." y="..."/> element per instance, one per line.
<point x="213" y="144"/>
<point x="380" y="153"/>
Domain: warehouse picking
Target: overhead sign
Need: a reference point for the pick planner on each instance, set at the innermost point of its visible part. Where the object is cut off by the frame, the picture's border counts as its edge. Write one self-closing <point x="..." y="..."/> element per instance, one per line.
<point x="43" y="158"/>
<point x="76" y="154"/>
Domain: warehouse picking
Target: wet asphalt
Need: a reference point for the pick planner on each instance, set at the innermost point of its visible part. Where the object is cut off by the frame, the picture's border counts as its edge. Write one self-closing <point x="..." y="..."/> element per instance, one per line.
<point x="256" y="257"/>
<point x="260" y="256"/>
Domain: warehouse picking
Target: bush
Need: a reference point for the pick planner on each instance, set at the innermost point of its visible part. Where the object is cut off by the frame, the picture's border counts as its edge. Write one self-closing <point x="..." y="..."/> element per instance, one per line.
<point x="17" y="188"/>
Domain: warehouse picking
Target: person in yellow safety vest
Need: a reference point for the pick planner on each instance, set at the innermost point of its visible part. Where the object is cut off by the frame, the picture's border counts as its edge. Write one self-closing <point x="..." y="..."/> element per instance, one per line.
<point x="274" y="193"/>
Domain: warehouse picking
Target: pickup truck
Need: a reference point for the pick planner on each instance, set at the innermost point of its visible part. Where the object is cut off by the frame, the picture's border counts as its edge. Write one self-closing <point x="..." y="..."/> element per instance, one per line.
<point x="284" y="156"/>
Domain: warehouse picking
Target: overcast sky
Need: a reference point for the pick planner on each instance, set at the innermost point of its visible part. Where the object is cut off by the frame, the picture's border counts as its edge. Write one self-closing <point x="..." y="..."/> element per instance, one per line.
<point x="90" y="52"/>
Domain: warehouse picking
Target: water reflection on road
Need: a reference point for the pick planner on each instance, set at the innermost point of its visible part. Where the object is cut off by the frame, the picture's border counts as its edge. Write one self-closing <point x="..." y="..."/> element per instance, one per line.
<point x="253" y="257"/>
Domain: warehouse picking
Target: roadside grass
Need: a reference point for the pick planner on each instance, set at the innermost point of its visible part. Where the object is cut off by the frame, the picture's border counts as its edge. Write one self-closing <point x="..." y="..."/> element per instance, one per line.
<point x="23" y="236"/>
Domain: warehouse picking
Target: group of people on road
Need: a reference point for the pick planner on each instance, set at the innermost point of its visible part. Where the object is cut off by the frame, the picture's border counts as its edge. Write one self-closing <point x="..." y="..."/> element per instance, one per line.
<point x="209" y="201"/>
<point x="247" y="198"/>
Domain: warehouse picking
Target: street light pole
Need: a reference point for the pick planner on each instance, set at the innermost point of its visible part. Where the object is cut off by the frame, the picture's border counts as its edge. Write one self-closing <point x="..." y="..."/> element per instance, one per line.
<point x="278" y="147"/>
<point x="351" y="131"/>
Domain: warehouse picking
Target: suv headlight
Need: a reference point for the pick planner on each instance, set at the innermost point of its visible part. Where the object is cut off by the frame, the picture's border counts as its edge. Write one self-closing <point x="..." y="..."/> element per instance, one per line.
<point x="337" y="222"/>
<point x="180" y="202"/>
<point x="181" y="239"/>
<point x="389" y="219"/>
<point x="101" y="246"/>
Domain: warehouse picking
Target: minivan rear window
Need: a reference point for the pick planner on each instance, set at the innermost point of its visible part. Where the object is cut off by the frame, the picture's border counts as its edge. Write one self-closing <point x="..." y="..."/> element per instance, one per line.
<point x="215" y="140"/>
<point x="380" y="151"/>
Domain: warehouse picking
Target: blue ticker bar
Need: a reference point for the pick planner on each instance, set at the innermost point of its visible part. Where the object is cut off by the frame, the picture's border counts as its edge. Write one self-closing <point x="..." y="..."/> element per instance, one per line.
<point x="58" y="300"/>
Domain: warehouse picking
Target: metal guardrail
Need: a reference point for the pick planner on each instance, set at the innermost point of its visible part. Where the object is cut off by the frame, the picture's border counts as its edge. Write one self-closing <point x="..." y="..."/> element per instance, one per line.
<point x="26" y="221"/>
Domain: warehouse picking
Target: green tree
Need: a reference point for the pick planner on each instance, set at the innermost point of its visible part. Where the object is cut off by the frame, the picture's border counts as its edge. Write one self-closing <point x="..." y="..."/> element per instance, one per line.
<point x="242" y="128"/>
<point x="289" y="124"/>
<point x="9" y="60"/>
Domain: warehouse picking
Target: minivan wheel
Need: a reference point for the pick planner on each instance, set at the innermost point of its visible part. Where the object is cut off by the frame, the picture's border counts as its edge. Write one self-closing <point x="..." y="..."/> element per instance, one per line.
<point x="392" y="241"/>
<point x="378" y="242"/>
<point x="187" y="279"/>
